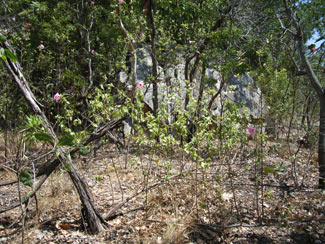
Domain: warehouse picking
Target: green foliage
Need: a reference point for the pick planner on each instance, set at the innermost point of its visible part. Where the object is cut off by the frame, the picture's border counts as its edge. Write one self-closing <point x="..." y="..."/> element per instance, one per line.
<point x="55" y="40"/>
<point x="42" y="136"/>
<point x="66" y="166"/>
<point x="26" y="178"/>
<point x="66" y="140"/>
<point x="273" y="170"/>
<point x="10" y="55"/>
<point x="83" y="151"/>
<point x="2" y="38"/>
<point x="33" y="130"/>
<point x="2" y="54"/>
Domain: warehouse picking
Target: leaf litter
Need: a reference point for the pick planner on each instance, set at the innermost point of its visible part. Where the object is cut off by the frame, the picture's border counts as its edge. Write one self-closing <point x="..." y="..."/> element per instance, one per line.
<point x="168" y="199"/>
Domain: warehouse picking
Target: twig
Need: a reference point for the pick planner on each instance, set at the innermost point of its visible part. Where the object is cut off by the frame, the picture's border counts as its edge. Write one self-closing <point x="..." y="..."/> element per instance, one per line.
<point x="9" y="168"/>
<point x="118" y="179"/>
<point x="118" y="206"/>
<point x="9" y="183"/>
<point x="49" y="168"/>
<point x="232" y="185"/>
<point x="22" y="211"/>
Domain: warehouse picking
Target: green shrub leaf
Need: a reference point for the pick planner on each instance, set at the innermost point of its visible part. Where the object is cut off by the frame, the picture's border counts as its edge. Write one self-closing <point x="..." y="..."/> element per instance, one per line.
<point x="2" y="38"/>
<point x="26" y="178"/>
<point x="11" y="56"/>
<point x="268" y="170"/>
<point x="42" y="136"/>
<point x="83" y="151"/>
<point x="67" y="140"/>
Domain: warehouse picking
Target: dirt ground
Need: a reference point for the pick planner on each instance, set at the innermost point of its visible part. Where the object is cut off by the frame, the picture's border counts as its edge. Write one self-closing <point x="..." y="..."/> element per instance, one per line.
<point x="170" y="198"/>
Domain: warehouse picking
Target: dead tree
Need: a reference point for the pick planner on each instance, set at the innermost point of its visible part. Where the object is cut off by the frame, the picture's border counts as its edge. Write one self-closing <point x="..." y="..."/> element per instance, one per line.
<point x="45" y="170"/>
<point x="93" y="219"/>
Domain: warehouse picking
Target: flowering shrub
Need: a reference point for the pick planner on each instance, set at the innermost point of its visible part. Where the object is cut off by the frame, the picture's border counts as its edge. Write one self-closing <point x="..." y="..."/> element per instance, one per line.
<point x="140" y="85"/>
<point x="57" y="97"/>
<point x="251" y="130"/>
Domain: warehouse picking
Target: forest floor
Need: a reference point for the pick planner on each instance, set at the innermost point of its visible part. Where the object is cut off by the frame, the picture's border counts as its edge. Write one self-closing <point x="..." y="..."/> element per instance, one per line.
<point x="170" y="198"/>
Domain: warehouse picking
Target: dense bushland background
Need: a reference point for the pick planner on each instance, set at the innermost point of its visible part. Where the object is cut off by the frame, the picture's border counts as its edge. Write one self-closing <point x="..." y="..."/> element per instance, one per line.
<point x="196" y="167"/>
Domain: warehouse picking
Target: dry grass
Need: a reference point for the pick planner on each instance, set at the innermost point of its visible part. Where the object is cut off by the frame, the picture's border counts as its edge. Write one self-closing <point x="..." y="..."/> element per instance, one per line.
<point x="219" y="204"/>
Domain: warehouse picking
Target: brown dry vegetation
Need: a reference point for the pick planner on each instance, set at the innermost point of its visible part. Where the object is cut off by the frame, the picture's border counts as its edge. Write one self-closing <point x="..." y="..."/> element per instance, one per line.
<point x="233" y="200"/>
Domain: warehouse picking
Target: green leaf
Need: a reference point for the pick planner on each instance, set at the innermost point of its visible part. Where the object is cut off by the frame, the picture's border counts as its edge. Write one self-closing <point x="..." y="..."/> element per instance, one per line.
<point x="67" y="167"/>
<point x="279" y="168"/>
<point x="203" y="205"/>
<point x="2" y="54"/>
<point x="83" y="151"/>
<point x="268" y="170"/>
<point x="27" y="196"/>
<point x="67" y="140"/>
<point x="11" y="56"/>
<point x="42" y="136"/>
<point x="2" y="38"/>
<point x="26" y="178"/>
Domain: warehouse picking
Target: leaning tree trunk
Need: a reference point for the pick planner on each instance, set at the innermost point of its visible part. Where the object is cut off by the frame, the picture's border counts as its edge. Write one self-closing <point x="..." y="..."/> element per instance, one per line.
<point x="92" y="218"/>
<point x="315" y="82"/>
<point x="90" y="214"/>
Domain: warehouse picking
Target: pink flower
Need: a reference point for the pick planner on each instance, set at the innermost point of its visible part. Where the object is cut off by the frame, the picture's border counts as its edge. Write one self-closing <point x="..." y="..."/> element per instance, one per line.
<point x="92" y="51"/>
<point x="41" y="46"/>
<point x="133" y="41"/>
<point x="251" y="130"/>
<point x="264" y="64"/>
<point x="92" y="2"/>
<point x="121" y="1"/>
<point x="140" y="85"/>
<point x="57" y="97"/>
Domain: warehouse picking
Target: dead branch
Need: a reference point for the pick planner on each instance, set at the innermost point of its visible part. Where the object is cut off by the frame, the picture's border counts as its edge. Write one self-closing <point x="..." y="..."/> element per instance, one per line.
<point x="113" y="211"/>
<point x="48" y="168"/>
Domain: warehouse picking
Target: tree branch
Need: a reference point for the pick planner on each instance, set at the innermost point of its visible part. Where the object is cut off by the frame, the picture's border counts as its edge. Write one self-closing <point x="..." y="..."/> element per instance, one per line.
<point x="301" y="48"/>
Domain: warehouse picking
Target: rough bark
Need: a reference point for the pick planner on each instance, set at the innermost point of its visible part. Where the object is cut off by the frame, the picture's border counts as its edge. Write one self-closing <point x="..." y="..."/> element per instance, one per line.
<point x="149" y="5"/>
<point x="316" y="84"/>
<point x="321" y="145"/>
<point x="45" y="171"/>
<point x="91" y="216"/>
<point x="132" y="50"/>
<point x="197" y="58"/>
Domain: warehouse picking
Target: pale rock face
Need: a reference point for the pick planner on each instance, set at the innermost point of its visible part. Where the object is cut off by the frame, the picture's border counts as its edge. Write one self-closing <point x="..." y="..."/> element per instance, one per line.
<point x="123" y="77"/>
<point x="171" y="86"/>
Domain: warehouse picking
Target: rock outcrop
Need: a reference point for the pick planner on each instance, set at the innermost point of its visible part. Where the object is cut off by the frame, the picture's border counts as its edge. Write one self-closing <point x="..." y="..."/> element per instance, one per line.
<point x="172" y="85"/>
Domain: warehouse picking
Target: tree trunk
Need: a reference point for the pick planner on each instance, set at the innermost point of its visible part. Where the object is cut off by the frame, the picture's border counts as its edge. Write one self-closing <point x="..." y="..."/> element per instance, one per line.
<point x="90" y="215"/>
<point x="314" y="81"/>
<point x="150" y="10"/>
<point x="321" y="145"/>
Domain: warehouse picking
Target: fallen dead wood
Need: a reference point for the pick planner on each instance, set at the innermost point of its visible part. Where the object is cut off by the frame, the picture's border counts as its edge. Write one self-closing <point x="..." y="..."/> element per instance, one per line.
<point x="113" y="211"/>
<point x="48" y="168"/>
<point x="94" y="220"/>
<point x="9" y="183"/>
